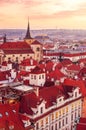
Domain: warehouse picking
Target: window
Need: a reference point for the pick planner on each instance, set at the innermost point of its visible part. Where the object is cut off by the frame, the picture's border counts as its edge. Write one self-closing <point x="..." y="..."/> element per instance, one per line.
<point x="66" y="120"/>
<point x="59" y="113"/>
<point x="52" y="128"/>
<point x="37" y="126"/>
<point x="39" y="76"/>
<point x="42" y="76"/>
<point x="37" y="55"/>
<point x="75" y="94"/>
<point x="31" y="76"/>
<point x="37" y="49"/>
<point x="0" y="115"/>
<point x="75" y="115"/>
<point x="52" y="116"/>
<point x="41" y="109"/>
<point x="34" y="76"/>
<point x="66" y="109"/>
<point x="6" y="113"/>
<point x="59" y="124"/>
<point x="63" y="111"/>
<point x="72" y="117"/>
<point x="16" y="58"/>
<point x="63" y="122"/>
<point x="56" y="126"/>
<point x="72" y="106"/>
<point x="41" y="123"/>
<point x="14" y="111"/>
<point x="56" y="114"/>
<point x="9" y="58"/>
<point x="46" y="120"/>
<point x="4" y="56"/>
<point x="23" y="58"/>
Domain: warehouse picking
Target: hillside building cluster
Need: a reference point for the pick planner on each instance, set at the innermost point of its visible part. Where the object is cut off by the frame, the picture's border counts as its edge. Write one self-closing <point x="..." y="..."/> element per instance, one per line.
<point x="40" y="90"/>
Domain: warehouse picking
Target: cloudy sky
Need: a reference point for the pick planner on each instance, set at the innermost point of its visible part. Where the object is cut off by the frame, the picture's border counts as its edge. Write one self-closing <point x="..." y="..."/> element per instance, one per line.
<point x="43" y="14"/>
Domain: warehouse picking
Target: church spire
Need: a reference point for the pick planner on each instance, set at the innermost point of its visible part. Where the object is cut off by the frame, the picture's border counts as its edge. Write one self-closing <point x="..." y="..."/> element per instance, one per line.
<point x="4" y="38"/>
<point x="28" y="36"/>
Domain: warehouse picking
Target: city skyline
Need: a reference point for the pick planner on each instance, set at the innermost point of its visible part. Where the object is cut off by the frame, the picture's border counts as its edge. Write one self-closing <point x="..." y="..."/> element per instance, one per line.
<point x="63" y="14"/>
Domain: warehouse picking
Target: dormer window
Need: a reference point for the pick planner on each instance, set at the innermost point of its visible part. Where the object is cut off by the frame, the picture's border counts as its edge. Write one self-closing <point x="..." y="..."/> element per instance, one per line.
<point x="60" y="100"/>
<point x="6" y="113"/>
<point x="0" y="115"/>
<point x="75" y="94"/>
<point x="41" y="110"/>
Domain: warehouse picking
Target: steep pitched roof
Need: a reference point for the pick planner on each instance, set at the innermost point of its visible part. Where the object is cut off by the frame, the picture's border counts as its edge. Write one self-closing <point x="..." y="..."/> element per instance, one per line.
<point x="56" y="74"/>
<point x="76" y="83"/>
<point x="29" y="62"/>
<point x="31" y="100"/>
<point x="4" y="75"/>
<point x="73" y="67"/>
<point x="28" y="101"/>
<point x="10" y="113"/>
<point x="37" y="70"/>
<point x="82" y="124"/>
<point x="16" y="48"/>
<point x="36" y="43"/>
<point x="50" y="94"/>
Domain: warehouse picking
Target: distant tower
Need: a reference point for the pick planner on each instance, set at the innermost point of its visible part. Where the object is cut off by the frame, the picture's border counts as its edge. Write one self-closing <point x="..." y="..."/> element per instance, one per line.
<point x="4" y="38"/>
<point x="28" y="37"/>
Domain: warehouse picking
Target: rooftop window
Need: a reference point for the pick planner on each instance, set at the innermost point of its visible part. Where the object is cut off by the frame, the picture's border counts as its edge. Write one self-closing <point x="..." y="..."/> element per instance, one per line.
<point x="0" y="115"/>
<point x="14" y="111"/>
<point x="6" y="113"/>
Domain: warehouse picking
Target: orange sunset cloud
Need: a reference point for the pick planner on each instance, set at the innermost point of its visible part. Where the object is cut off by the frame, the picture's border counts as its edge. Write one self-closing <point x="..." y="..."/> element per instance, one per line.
<point x="43" y="14"/>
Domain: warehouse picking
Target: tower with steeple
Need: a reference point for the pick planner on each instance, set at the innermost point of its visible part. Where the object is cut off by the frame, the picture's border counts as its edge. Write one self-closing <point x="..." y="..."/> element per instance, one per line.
<point x="28" y="37"/>
<point x="34" y="44"/>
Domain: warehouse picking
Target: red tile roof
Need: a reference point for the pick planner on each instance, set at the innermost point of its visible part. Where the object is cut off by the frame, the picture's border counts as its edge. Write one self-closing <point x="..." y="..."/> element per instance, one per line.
<point x="10" y="113"/>
<point x="82" y="72"/>
<point x="4" y="75"/>
<point x="76" y="83"/>
<point x="56" y="74"/>
<point x="73" y="67"/>
<point x="29" y="62"/>
<point x="36" y="43"/>
<point x="82" y="61"/>
<point x="4" y="63"/>
<point x="66" y="62"/>
<point x="74" y="55"/>
<point x="82" y="124"/>
<point x="50" y="94"/>
<point x="18" y="51"/>
<point x="30" y="100"/>
<point x="16" y="48"/>
<point x="37" y="70"/>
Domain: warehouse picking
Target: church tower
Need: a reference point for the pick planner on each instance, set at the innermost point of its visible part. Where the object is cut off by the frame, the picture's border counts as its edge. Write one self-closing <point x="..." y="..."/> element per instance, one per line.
<point x="28" y="37"/>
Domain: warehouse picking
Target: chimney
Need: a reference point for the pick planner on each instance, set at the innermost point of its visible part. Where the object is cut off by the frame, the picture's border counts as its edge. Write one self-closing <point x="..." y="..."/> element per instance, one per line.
<point x="31" y="61"/>
<point x="36" y="91"/>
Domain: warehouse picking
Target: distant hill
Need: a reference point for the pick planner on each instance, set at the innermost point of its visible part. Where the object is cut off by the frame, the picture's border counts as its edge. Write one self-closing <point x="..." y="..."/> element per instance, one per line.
<point x="51" y="33"/>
